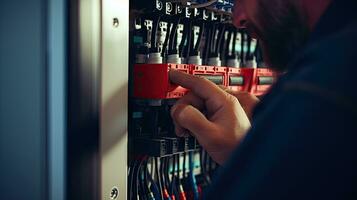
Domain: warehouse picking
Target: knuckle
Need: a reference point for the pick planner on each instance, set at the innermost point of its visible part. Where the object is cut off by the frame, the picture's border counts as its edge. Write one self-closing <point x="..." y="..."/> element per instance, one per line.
<point x="231" y="99"/>
<point x="175" y="111"/>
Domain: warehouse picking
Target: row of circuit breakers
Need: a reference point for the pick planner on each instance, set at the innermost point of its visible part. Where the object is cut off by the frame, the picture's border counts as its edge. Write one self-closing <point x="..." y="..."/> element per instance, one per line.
<point x="197" y="38"/>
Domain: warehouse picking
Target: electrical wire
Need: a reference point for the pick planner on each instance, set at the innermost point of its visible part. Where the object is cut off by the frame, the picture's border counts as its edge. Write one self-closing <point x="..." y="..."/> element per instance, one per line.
<point x="167" y="37"/>
<point x="201" y="162"/>
<point x="242" y="54"/>
<point x="207" y="47"/>
<point x="173" y="34"/>
<point x="220" y="39"/>
<point x="145" y="181"/>
<point x="182" y="195"/>
<point x="173" y="179"/>
<point x="213" y="38"/>
<point x="228" y="43"/>
<point x="136" y="189"/>
<point x="162" y="171"/>
<point x="184" y="38"/>
<point x="199" y="40"/>
<point x="249" y="51"/>
<point x="166" y="173"/>
<point x="151" y="183"/>
<point x="234" y="43"/>
<point x="154" y="31"/>
<point x="158" y="178"/>
<point x="177" y="171"/>
<point x="131" y="178"/>
<point x="163" y="181"/>
<point x="190" y="38"/>
<point x="203" y="5"/>
<point x="140" y="188"/>
<point x="184" y="165"/>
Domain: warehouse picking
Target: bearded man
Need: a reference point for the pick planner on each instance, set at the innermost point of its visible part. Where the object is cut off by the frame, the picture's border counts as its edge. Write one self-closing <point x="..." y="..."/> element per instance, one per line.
<point x="298" y="141"/>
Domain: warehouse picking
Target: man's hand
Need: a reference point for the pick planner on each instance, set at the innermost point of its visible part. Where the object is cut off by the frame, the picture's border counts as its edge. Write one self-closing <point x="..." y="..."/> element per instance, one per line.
<point x="246" y="100"/>
<point x="213" y="116"/>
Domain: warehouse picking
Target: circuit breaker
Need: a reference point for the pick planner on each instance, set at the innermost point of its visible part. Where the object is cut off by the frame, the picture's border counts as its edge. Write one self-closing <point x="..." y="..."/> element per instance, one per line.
<point x="121" y="140"/>
<point x="197" y="38"/>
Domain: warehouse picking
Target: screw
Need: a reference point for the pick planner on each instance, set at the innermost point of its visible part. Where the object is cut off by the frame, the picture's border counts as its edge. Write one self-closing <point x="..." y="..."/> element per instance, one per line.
<point x="114" y="193"/>
<point x="115" y="22"/>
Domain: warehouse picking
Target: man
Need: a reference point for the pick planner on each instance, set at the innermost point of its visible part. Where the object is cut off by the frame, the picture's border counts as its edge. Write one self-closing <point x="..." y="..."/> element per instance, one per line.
<point x="300" y="141"/>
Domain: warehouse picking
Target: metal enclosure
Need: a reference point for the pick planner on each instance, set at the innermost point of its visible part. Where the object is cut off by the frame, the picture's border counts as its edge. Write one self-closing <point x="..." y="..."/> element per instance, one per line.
<point x="98" y="99"/>
<point x="114" y="97"/>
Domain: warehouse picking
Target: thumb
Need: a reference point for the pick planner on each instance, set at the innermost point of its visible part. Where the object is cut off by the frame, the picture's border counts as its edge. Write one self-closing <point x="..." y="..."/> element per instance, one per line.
<point x="190" y="118"/>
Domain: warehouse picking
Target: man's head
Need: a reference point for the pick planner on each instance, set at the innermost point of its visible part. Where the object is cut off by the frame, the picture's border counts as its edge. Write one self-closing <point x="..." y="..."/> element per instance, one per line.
<point x="282" y="26"/>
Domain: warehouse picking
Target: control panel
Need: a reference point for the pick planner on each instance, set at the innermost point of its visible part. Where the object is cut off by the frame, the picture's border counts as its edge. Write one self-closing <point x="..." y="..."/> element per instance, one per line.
<point x="198" y="38"/>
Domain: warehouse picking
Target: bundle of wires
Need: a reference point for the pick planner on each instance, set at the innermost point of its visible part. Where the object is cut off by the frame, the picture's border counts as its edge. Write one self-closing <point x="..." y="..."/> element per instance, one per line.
<point x="146" y="190"/>
<point x="204" y="5"/>
<point x="136" y="188"/>
<point x="141" y="182"/>
<point x="214" y="40"/>
<point x="230" y="46"/>
<point x="154" y="185"/>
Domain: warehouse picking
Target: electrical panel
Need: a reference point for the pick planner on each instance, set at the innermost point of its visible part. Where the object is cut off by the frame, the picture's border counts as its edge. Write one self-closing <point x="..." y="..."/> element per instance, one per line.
<point x="198" y="38"/>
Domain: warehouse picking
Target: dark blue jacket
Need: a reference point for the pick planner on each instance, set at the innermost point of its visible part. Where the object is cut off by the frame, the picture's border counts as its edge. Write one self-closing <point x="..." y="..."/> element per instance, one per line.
<point x="303" y="141"/>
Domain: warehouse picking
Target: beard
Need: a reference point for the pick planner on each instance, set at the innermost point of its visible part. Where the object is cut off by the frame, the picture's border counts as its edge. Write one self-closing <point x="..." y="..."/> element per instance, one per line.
<point x="282" y="31"/>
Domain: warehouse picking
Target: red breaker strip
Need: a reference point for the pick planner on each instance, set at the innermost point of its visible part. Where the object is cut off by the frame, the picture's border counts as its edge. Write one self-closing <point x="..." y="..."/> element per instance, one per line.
<point x="239" y="79"/>
<point x="215" y="74"/>
<point x="151" y="81"/>
<point x="263" y="79"/>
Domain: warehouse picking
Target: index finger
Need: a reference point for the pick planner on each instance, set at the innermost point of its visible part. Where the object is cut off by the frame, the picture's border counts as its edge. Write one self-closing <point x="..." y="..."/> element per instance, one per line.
<point x="200" y="86"/>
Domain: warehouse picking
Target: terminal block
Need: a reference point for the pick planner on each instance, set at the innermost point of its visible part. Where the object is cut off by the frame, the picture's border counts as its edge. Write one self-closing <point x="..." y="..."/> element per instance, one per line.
<point x="151" y="81"/>
<point x="263" y="79"/>
<point x="239" y="79"/>
<point x="215" y="74"/>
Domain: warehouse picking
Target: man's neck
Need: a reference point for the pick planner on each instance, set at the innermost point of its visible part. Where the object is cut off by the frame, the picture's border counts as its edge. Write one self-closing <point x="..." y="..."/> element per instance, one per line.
<point x="314" y="9"/>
